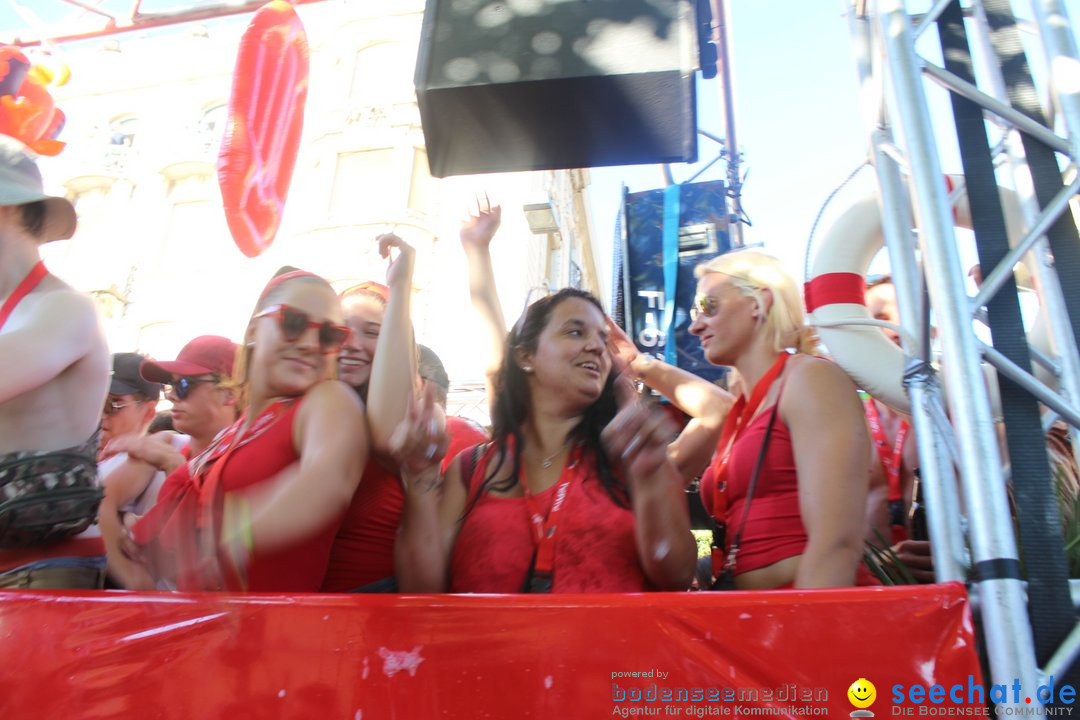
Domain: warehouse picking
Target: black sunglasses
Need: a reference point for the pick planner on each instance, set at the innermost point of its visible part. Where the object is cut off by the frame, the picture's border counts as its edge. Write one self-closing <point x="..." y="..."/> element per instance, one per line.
<point x="183" y="387"/>
<point x="294" y="323"/>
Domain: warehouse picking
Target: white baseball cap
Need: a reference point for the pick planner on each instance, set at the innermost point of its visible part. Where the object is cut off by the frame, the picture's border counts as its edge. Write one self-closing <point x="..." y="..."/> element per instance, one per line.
<point x="20" y="183"/>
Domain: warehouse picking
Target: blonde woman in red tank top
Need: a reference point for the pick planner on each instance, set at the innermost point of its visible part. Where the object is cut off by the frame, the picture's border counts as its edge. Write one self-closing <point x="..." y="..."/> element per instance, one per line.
<point x="804" y="522"/>
<point x="258" y="510"/>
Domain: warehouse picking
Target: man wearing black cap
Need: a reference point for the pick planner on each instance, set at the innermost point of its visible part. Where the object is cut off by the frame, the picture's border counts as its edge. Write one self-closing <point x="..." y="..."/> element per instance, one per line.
<point x="130" y="406"/>
<point x="54" y="379"/>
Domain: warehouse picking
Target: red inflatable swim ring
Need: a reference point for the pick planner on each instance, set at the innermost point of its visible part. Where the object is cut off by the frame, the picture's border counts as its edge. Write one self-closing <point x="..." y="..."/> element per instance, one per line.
<point x="265" y="120"/>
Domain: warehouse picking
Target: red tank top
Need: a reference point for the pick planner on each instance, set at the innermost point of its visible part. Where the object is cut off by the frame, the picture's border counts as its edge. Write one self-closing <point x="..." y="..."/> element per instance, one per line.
<point x="266" y="449"/>
<point x="363" y="550"/>
<point x="595" y="549"/>
<point x="774" y="529"/>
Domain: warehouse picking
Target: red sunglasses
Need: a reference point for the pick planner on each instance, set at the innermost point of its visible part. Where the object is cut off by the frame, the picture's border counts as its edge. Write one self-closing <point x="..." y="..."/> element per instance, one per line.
<point x="294" y="323"/>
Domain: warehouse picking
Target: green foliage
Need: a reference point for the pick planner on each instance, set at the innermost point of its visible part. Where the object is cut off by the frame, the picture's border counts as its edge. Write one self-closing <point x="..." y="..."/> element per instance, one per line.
<point x="704" y="542"/>
<point x="885" y="564"/>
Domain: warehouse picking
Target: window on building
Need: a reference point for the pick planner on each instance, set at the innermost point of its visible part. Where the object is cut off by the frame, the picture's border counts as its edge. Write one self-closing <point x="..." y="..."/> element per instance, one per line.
<point x="575" y="275"/>
<point x="122" y="131"/>
<point x="367" y="183"/>
<point x="420" y="187"/>
<point x="121" y="140"/>
<point x="212" y="126"/>
<point x="382" y="74"/>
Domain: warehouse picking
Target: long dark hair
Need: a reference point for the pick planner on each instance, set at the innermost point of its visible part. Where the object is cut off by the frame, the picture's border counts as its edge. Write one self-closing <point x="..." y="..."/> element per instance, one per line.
<point x="513" y="402"/>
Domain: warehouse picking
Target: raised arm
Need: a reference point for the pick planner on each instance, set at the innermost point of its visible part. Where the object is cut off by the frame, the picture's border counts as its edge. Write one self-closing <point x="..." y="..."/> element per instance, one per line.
<point x="393" y="371"/>
<point x="431" y="518"/>
<point x="706" y="403"/>
<point x="331" y="439"/>
<point x="829" y="438"/>
<point x="476" y="234"/>
<point x="62" y="329"/>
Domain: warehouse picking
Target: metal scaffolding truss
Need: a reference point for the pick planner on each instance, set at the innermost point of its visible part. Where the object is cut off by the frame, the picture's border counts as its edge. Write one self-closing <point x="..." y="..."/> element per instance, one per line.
<point x="961" y="464"/>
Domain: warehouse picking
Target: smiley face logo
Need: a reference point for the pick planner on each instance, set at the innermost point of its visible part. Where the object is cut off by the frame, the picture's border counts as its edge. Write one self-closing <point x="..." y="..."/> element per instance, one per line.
<point x="862" y="693"/>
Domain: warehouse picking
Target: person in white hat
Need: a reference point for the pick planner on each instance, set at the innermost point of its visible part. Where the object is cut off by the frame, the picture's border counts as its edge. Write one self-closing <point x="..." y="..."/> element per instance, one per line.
<point x="52" y="389"/>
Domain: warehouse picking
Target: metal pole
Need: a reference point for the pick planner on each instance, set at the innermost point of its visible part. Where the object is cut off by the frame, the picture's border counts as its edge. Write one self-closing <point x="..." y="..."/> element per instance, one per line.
<point x="1063" y="60"/>
<point x="997" y="277"/>
<point x="1025" y="380"/>
<point x="1008" y="634"/>
<point x="935" y="464"/>
<point x="724" y="44"/>
<point x="1041" y="261"/>
<point x="1006" y="112"/>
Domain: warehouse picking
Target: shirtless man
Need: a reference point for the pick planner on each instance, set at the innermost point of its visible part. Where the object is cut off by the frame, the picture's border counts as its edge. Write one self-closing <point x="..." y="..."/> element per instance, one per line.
<point x="55" y="375"/>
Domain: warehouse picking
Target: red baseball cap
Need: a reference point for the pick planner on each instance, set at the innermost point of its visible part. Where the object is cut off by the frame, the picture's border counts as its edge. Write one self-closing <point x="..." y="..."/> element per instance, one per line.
<point x="205" y="355"/>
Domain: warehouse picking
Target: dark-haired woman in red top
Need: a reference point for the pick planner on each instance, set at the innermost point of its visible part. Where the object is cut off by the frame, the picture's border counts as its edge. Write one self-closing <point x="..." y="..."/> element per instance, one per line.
<point x="549" y="505"/>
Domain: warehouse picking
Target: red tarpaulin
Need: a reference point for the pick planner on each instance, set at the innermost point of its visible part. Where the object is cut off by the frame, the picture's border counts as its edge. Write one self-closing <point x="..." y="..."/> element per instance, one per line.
<point x="368" y="657"/>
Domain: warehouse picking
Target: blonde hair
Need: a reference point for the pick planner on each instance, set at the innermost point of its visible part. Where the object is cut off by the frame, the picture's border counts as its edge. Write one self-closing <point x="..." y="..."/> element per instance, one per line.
<point x="241" y="365"/>
<point x="752" y="271"/>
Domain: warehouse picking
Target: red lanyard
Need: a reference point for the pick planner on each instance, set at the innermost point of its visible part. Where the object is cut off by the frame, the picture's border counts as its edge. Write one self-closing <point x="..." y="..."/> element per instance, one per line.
<point x="735" y="423"/>
<point x="209" y="481"/>
<point x="544" y="528"/>
<point x="25" y="286"/>
<point x="890" y="463"/>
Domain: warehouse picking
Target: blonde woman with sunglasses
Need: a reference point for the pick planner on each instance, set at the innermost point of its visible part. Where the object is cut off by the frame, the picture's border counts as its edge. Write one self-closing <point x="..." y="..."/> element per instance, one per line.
<point x="798" y="418"/>
<point x="258" y="510"/>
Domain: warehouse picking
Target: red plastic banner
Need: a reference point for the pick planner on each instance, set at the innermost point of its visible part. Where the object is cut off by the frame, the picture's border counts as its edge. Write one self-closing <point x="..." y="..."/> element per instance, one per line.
<point x="265" y="121"/>
<point x="367" y="657"/>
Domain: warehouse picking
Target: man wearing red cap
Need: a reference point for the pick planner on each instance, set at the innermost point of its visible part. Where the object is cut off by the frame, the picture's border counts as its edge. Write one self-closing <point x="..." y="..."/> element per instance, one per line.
<point x="203" y="404"/>
<point x="52" y="388"/>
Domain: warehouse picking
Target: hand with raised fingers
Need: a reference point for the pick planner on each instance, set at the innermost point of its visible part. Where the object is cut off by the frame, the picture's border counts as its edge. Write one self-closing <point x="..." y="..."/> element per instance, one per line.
<point x="638" y="436"/>
<point x="622" y="348"/>
<point x="419" y="443"/>
<point x="399" y="273"/>
<point x="478" y="229"/>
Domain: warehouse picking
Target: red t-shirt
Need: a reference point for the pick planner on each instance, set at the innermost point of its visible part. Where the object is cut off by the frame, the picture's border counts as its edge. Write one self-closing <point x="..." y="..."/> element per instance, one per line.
<point x="169" y="530"/>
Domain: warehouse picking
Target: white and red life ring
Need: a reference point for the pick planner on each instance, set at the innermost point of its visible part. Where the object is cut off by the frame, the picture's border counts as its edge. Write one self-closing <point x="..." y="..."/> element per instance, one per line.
<point x="836" y="301"/>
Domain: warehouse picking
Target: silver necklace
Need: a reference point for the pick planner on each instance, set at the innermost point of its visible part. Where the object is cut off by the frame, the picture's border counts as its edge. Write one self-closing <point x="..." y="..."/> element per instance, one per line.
<point x="547" y="462"/>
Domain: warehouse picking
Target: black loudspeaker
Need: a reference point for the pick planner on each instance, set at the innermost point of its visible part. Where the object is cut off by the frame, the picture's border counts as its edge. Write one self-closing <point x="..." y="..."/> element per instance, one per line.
<point x="546" y="84"/>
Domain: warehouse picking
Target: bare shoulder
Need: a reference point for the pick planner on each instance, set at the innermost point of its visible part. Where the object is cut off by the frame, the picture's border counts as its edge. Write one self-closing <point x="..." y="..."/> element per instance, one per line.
<point x="812" y="376"/>
<point x="818" y="392"/>
<point x="333" y="396"/>
<point x="62" y="301"/>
